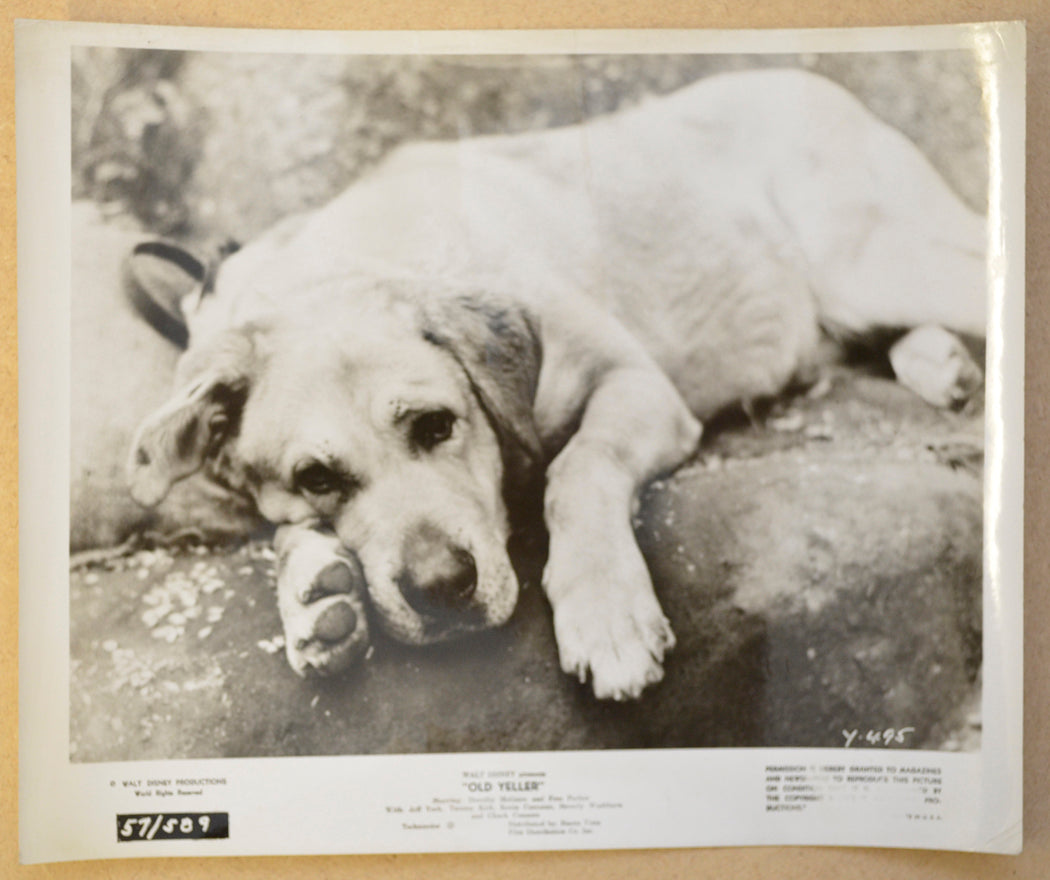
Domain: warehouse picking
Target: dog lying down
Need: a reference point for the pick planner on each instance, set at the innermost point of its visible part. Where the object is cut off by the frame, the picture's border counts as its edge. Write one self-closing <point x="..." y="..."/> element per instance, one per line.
<point x="377" y="374"/>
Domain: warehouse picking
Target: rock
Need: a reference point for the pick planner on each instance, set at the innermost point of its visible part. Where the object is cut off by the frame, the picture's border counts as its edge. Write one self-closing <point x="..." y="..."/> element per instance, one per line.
<point x="810" y="596"/>
<point x="813" y="595"/>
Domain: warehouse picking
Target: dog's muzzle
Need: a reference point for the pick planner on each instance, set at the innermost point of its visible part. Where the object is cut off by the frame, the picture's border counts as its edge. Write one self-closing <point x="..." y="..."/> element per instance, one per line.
<point x="438" y="577"/>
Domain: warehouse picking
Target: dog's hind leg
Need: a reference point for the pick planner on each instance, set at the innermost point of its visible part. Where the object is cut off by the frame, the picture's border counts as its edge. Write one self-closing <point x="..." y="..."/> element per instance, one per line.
<point x="936" y="365"/>
<point x="320" y="589"/>
<point x="886" y="242"/>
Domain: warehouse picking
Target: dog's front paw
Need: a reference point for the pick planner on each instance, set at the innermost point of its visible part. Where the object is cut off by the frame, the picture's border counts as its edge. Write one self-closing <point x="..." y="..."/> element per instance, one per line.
<point x="936" y="365"/>
<point x="319" y="592"/>
<point x="616" y="635"/>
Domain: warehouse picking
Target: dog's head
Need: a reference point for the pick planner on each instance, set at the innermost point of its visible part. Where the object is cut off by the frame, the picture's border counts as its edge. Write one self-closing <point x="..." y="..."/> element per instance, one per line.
<point x="395" y="421"/>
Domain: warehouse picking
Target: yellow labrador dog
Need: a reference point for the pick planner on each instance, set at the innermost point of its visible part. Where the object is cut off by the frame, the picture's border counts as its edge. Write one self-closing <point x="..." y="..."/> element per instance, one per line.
<point x="376" y="373"/>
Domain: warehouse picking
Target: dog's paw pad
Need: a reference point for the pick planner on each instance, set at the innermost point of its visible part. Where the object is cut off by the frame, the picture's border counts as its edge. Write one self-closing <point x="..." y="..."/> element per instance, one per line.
<point x="335" y="622"/>
<point x="320" y="592"/>
<point x="333" y="579"/>
<point x="329" y="635"/>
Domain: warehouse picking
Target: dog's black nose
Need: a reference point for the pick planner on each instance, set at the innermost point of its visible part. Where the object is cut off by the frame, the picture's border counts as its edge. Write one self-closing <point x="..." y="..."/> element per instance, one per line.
<point x="437" y="576"/>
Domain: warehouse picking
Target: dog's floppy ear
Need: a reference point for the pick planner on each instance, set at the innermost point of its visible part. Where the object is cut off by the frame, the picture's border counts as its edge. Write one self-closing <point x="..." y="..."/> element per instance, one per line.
<point x="176" y="440"/>
<point x="498" y="347"/>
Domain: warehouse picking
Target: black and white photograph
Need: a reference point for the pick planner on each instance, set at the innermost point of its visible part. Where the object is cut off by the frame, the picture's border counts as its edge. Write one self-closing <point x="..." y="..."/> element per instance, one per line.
<point x="437" y="403"/>
<point x="577" y="440"/>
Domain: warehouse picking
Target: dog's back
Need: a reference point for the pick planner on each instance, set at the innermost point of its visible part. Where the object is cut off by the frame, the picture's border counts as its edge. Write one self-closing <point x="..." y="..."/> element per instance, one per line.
<point x="722" y="225"/>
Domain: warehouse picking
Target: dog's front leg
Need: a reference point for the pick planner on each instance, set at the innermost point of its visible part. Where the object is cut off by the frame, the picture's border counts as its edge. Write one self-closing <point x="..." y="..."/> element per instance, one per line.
<point x="607" y="619"/>
<point x="320" y="590"/>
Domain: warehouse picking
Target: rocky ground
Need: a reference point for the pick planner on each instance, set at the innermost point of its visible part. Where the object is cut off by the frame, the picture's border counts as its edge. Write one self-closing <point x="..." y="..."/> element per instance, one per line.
<point x="822" y="571"/>
<point x="820" y="561"/>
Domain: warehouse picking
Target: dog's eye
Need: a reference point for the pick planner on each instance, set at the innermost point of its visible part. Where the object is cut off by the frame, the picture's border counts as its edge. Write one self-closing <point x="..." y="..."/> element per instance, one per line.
<point x="318" y="480"/>
<point x="432" y="428"/>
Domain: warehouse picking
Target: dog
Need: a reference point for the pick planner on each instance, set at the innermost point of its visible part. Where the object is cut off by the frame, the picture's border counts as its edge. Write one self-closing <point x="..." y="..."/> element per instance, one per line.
<point x="377" y="373"/>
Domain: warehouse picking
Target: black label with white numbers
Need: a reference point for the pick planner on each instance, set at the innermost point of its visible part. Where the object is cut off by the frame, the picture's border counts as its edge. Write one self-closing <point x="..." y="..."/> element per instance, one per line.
<point x="172" y="826"/>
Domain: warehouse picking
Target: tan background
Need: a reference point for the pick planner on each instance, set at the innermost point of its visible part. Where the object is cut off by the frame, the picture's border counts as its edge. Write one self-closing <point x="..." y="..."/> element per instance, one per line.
<point x="435" y="14"/>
